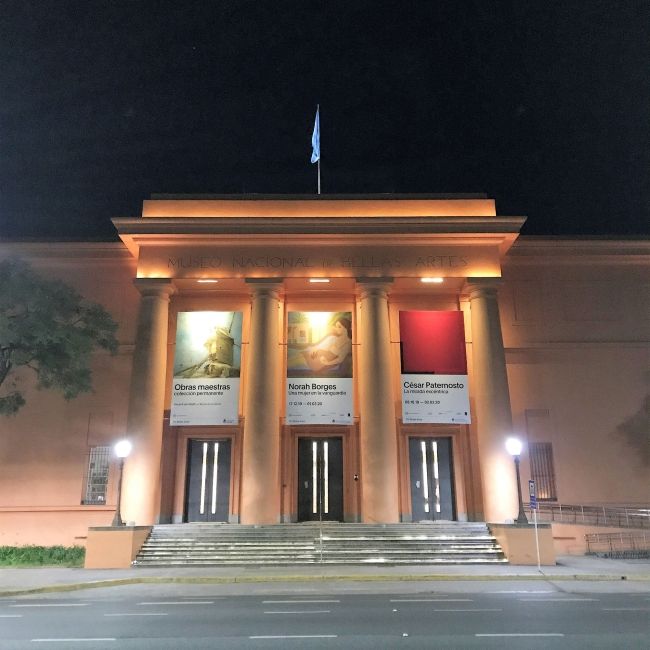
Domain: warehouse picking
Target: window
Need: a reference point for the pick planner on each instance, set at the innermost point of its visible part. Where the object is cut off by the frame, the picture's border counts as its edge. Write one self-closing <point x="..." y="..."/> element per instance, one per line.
<point x="542" y="470"/>
<point x="96" y="478"/>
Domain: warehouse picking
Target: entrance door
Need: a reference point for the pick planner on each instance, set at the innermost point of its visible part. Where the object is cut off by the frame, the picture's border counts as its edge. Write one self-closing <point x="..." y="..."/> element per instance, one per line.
<point x="208" y="480"/>
<point x="432" y="492"/>
<point x="320" y="479"/>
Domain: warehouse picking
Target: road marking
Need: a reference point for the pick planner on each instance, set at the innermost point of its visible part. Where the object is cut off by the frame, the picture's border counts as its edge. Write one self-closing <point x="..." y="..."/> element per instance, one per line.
<point x="626" y="609"/>
<point x="304" y="611"/>
<point x="11" y="615"/>
<point x="416" y="600"/>
<point x="296" y="602"/>
<point x="524" y="634"/>
<point x="522" y="591"/>
<point x="296" y="636"/>
<point x="51" y="605"/>
<point x="467" y="610"/>
<point x="107" y="638"/>
<point x="558" y="600"/>
<point x="140" y="614"/>
<point x="179" y="602"/>
<point x="432" y="600"/>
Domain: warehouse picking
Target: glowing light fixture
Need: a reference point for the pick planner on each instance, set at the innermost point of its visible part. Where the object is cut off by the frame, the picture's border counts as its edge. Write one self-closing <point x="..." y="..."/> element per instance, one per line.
<point x="432" y="280"/>
<point x="207" y="281"/>
<point x="514" y="446"/>
<point x="319" y="280"/>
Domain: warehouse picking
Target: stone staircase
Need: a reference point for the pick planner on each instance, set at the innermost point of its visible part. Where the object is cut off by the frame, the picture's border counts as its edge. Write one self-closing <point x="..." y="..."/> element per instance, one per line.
<point x="216" y="544"/>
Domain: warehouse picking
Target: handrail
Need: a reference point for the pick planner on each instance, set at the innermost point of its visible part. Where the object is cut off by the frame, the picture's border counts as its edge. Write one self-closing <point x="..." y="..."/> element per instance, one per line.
<point x="636" y="544"/>
<point x="600" y="515"/>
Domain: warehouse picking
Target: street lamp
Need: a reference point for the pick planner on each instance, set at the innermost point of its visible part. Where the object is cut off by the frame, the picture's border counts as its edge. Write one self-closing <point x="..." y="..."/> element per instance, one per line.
<point x="514" y="446"/>
<point x="122" y="450"/>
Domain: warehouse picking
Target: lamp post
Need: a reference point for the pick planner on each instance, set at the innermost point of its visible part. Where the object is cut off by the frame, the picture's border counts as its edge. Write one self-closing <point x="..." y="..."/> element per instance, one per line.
<point x="122" y="450"/>
<point x="514" y="446"/>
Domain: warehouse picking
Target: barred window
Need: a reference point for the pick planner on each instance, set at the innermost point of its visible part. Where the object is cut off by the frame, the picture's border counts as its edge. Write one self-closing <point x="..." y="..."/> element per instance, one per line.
<point x="542" y="470"/>
<point x="96" y="478"/>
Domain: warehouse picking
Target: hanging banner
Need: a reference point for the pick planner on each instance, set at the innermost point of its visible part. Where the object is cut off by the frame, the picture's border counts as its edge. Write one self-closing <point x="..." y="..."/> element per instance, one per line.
<point x="207" y="364"/>
<point x="319" y="367"/>
<point x="434" y="367"/>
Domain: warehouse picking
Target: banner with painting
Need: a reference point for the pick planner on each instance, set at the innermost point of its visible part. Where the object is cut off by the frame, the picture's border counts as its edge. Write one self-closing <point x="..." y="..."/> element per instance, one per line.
<point x="434" y="367"/>
<point x="207" y="363"/>
<point x="319" y="367"/>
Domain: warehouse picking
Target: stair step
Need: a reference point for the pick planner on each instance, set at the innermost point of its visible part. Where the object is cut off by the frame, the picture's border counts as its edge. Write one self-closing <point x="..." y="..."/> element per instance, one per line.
<point x="220" y="544"/>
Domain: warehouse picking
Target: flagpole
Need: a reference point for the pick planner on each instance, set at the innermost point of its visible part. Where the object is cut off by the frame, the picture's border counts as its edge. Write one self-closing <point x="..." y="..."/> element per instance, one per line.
<point x="315" y="144"/>
<point x="318" y="112"/>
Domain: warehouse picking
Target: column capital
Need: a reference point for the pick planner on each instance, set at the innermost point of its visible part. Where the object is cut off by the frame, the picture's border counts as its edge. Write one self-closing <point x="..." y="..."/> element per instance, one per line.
<point x="479" y="287"/>
<point x="379" y="287"/>
<point x="271" y="287"/>
<point x="161" y="287"/>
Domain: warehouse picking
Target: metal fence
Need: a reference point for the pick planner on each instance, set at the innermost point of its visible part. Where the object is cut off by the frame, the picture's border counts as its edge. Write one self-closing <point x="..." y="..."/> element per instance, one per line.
<point x="619" y="516"/>
<point x="619" y="545"/>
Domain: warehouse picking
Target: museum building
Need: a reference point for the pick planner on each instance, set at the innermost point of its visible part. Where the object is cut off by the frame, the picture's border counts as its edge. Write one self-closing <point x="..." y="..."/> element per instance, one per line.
<point x="347" y="358"/>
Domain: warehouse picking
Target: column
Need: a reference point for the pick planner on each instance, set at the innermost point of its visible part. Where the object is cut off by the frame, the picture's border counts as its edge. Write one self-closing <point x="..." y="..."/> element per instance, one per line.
<point x="260" y="493"/>
<point x="376" y="406"/>
<point x="141" y="483"/>
<point x="492" y="398"/>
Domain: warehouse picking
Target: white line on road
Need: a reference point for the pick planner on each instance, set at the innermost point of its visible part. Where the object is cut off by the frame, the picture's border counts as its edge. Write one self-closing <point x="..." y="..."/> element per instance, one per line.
<point x="140" y="614"/>
<point x="51" y="605"/>
<point x="467" y="610"/>
<point x="107" y="638"/>
<point x="296" y="636"/>
<point x="416" y="600"/>
<point x="522" y="591"/>
<point x="11" y="615"/>
<point x="524" y="634"/>
<point x="626" y="609"/>
<point x="304" y="611"/>
<point x="296" y="602"/>
<point x="432" y="600"/>
<point x="558" y="600"/>
<point x="179" y="602"/>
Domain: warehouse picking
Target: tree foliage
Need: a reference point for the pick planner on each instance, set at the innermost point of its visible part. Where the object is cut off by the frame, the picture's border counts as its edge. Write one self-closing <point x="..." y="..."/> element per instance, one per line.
<point x="46" y="326"/>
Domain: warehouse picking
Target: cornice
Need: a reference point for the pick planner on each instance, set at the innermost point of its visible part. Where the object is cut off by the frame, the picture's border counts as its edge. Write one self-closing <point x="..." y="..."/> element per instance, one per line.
<point x="76" y="249"/>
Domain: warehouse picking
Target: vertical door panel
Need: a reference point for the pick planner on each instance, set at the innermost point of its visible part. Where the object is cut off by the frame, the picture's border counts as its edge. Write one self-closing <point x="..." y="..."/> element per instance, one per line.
<point x="208" y="480"/>
<point x="431" y="472"/>
<point x="320" y="479"/>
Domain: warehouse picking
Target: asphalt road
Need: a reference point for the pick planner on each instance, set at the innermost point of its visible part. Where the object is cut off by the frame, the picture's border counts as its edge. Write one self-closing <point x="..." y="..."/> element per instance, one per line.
<point x="490" y="614"/>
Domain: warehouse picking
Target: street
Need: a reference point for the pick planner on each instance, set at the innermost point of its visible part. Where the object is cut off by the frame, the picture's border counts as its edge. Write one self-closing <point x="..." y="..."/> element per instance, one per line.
<point x="443" y="614"/>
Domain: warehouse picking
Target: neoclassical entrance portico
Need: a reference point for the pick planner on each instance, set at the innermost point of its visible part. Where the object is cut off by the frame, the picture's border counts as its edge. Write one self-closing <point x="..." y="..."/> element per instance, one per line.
<point x="267" y="257"/>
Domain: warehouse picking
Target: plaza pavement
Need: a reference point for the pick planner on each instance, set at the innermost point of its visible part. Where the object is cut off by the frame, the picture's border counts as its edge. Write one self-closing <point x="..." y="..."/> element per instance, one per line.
<point x="17" y="581"/>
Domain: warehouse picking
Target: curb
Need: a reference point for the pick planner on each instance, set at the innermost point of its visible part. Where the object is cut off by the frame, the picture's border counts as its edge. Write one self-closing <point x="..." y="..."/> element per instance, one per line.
<point x="118" y="582"/>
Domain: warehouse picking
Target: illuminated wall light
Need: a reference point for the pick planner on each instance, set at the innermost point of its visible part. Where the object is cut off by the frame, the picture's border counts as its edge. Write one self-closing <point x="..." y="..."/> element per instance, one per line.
<point x="432" y="280"/>
<point x="207" y="281"/>
<point x="319" y="280"/>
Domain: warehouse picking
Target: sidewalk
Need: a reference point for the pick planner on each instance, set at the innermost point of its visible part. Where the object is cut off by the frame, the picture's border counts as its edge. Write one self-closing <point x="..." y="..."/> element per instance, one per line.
<point x="42" y="580"/>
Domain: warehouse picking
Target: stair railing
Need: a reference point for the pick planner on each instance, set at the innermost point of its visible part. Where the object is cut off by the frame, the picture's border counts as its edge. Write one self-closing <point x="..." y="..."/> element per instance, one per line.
<point x="601" y="515"/>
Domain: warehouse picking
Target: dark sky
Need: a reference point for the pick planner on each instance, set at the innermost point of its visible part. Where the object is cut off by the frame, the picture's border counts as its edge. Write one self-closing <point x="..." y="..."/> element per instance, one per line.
<point x="545" y="106"/>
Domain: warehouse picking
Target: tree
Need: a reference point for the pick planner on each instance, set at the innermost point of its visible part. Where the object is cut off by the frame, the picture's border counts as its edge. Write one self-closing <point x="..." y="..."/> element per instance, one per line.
<point x="46" y="326"/>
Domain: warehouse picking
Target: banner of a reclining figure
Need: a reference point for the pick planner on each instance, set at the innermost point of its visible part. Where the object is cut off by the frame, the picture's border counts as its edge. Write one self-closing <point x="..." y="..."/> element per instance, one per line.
<point x="207" y="362"/>
<point x="319" y="367"/>
<point x="434" y="367"/>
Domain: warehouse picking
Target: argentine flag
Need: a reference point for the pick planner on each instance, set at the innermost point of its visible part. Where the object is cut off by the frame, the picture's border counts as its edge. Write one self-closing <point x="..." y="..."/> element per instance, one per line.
<point x="315" y="138"/>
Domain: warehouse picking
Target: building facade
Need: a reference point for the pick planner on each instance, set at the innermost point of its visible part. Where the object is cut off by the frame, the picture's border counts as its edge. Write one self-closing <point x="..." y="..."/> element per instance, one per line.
<point x="347" y="358"/>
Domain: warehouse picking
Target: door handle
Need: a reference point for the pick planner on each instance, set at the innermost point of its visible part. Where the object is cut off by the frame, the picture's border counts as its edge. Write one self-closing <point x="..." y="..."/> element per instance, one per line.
<point x="306" y="485"/>
<point x="417" y="484"/>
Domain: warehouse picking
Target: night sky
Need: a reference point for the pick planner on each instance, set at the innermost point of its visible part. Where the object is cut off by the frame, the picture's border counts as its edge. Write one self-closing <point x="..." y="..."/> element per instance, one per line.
<point x="544" y="106"/>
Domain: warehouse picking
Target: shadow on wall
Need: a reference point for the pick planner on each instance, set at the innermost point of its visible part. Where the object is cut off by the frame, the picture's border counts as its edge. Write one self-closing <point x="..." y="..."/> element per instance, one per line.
<point x="635" y="430"/>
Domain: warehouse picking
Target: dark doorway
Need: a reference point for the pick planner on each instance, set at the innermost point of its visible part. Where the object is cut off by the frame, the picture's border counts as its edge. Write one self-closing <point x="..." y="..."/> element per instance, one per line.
<point x="320" y="479"/>
<point x="208" y="480"/>
<point x="432" y="485"/>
